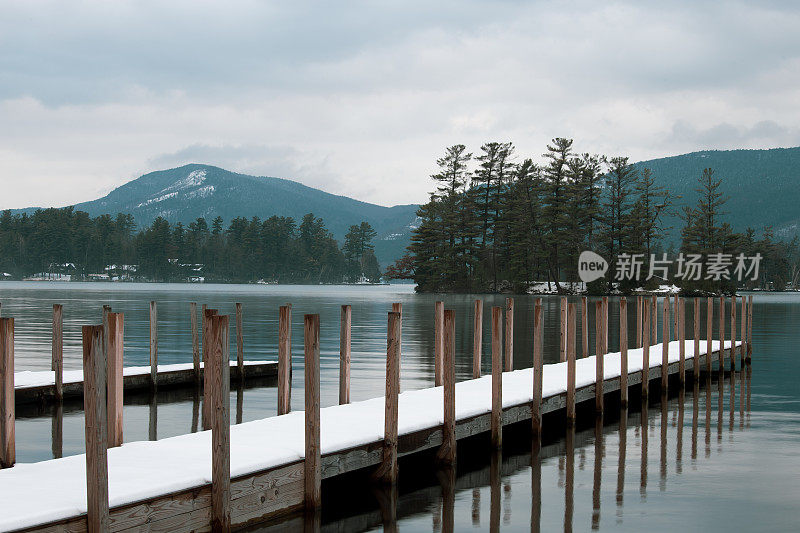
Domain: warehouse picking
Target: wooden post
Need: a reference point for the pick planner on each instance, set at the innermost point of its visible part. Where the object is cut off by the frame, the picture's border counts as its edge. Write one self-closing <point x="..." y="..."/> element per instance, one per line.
<point x="709" y="331"/>
<point x="387" y="471"/>
<point x="284" y="359"/>
<point x="114" y="354"/>
<point x="344" y="354"/>
<point x="675" y="309"/>
<point x="600" y="343"/>
<point x="743" y="348"/>
<point x="570" y="333"/>
<point x="208" y="391"/>
<point x="195" y="342"/>
<point x="397" y="307"/>
<point x="8" y="454"/>
<point x="219" y="368"/>
<point x="638" y="321"/>
<point x="645" y="349"/>
<point x="681" y="333"/>
<point x="623" y="349"/>
<point x="654" y="319"/>
<point x="749" y="327"/>
<point x="509" y="350"/>
<point x="733" y="333"/>
<point x="562" y="317"/>
<point x="58" y="349"/>
<point x="94" y="389"/>
<point x="497" y="378"/>
<point x="106" y="311"/>
<point x="153" y="345"/>
<point x="722" y="334"/>
<point x="239" y="341"/>
<point x="312" y="493"/>
<point x="605" y="325"/>
<point x="665" y="348"/>
<point x="696" y="337"/>
<point x="477" y="339"/>
<point x="585" y="326"/>
<point x="438" y="342"/>
<point x="447" y="452"/>
<point x="536" y="409"/>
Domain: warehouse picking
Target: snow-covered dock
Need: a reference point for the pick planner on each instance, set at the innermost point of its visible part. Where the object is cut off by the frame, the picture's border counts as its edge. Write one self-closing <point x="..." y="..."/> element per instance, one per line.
<point x="39" y="386"/>
<point x="166" y="485"/>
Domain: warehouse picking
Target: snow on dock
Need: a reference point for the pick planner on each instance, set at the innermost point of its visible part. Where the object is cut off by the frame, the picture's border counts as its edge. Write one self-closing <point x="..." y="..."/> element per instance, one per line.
<point x="42" y="493"/>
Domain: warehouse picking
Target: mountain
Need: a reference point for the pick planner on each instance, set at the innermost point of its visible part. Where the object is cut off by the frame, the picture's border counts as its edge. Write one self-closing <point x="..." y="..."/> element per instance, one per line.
<point x="185" y="193"/>
<point x="761" y="185"/>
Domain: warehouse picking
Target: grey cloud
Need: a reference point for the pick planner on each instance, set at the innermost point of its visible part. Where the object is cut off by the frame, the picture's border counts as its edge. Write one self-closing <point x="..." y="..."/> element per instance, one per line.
<point x="727" y="136"/>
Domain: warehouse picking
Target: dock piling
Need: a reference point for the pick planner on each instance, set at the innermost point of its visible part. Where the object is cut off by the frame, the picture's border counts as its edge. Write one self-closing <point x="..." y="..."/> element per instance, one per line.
<point x="638" y="321"/>
<point x="570" y="334"/>
<point x="600" y="346"/>
<point x="654" y="319"/>
<point x="447" y="452"/>
<point x="239" y="341"/>
<point x="585" y="326"/>
<point x="497" y="379"/>
<point x="709" y="332"/>
<point x="344" y="354"/>
<point x="509" y="329"/>
<point x="153" y="345"/>
<point x="721" y="334"/>
<point x="114" y="396"/>
<point x="743" y="349"/>
<point x="208" y="391"/>
<point x="645" y="349"/>
<point x="733" y="333"/>
<point x="623" y="349"/>
<point x="195" y="341"/>
<point x="477" y="339"/>
<point x="605" y="325"/>
<point x="94" y="389"/>
<point x="665" y="348"/>
<point x="387" y="471"/>
<point x="284" y="359"/>
<point x="536" y="409"/>
<point x="562" y="317"/>
<point x="219" y="368"/>
<point x="749" y="327"/>
<point x="58" y="350"/>
<point x="7" y="416"/>
<point x="696" y="338"/>
<point x="438" y="342"/>
<point x="680" y="309"/>
<point x="312" y="490"/>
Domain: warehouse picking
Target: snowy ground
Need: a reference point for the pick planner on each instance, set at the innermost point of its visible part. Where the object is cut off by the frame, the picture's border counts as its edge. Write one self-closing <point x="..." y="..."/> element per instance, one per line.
<point x="142" y="470"/>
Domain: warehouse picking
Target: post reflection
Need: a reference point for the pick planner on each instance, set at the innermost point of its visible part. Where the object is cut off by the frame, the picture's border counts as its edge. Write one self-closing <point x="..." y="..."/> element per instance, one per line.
<point x="695" y="418"/>
<point x="386" y="496"/>
<point x="643" y="467"/>
<point x="708" y="417"/>
<point x="495" y="490"/>
<point x="569" y="489"/>
<point x="447" y="480"/>
<point x="598" y="471"/>
<point x="679" y="435"/>
<point x="662" y="482"/>
<point x="536" y="487"/>
<point x="622" y="433"/>
<point x="732" y="406"/>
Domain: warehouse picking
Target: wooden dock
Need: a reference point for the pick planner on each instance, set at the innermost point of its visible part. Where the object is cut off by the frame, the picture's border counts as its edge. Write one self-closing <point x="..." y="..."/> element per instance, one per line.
<point x="277" y="464"/>
<point x="139" y="379"/>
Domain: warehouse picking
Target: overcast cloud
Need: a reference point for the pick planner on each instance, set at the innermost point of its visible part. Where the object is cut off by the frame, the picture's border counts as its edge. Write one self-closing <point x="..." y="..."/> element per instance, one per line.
<point x="359" y="98"/>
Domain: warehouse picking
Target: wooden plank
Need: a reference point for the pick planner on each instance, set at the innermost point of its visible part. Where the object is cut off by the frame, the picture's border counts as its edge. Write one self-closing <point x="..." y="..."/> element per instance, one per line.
<point x="114" y="381"/>
<point x="645" y="350"/>
<point x="447" y="451"/>
<point x="94" y="371"/>
<point x="571" y="333"/>
<point x="153" y="344"/>
<point x="477" y="339"/>
<point x="696" y="338"/>
<point x="58" y="350"/>
<point x="438" y="342"/>
<point x="8" y="454"/>
<point x="509" y="329"/>
<point x="600" y="347"/>
<point x="344" y="354"/>
<point x="665" y="348"/>
<point x="387" y="472"/>
<point x="585" y="326"/>
<point x="623" y="349"/>
<point x="536" y="416"/>
<point x="497" y="378"/>
<point x="240" y="340"/>
<point x="219" y="355"/>
<point x="284" y="359"/>
<point x="562" y="339"/>
<point x="312" y="493"/>
<point x="638" y="321"/>
<point x="195" y="341"/>
<point x="709" y="330"/>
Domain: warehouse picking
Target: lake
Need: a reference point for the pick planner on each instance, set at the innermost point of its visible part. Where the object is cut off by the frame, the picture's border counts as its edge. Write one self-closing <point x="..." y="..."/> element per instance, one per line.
<point x="695" y="462"/>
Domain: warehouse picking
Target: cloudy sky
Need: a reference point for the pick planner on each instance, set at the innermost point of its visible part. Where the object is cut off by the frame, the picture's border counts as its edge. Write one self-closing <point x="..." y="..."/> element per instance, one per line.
<point x="359" y="98"/>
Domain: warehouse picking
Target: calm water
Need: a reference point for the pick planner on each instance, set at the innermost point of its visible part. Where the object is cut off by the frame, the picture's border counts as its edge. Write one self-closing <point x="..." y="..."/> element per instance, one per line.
<point x="696" y="462"/>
